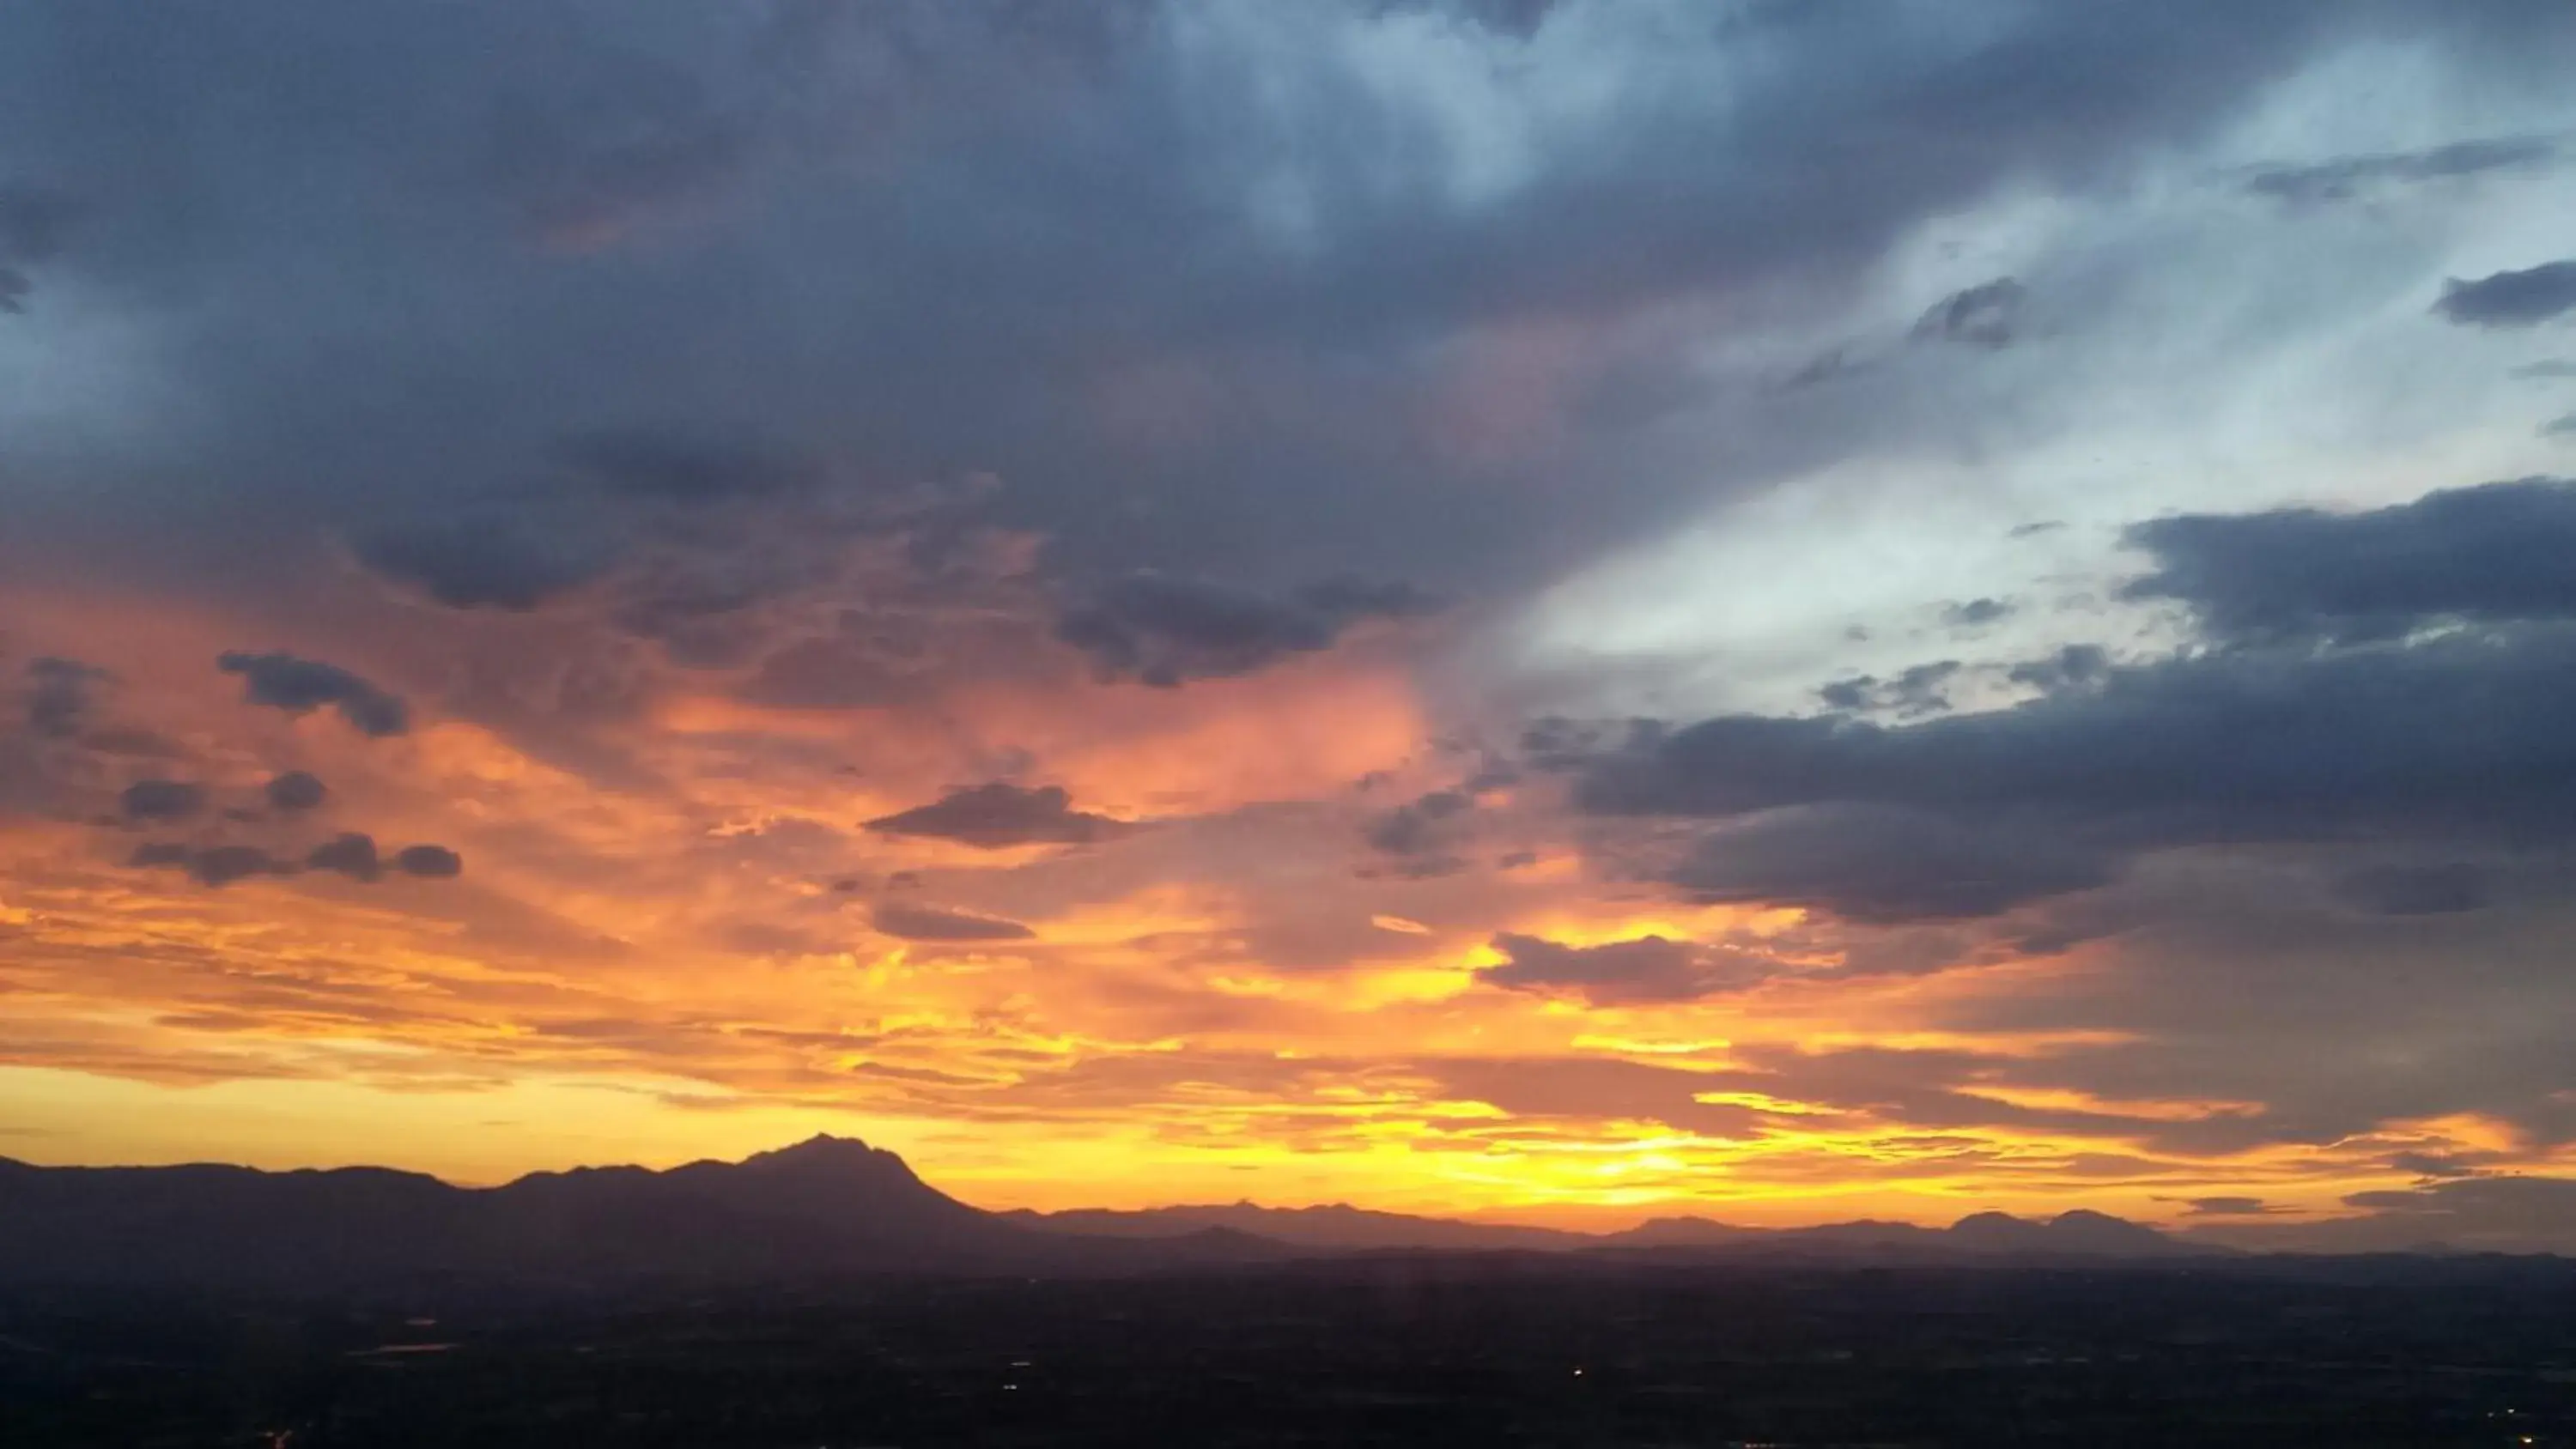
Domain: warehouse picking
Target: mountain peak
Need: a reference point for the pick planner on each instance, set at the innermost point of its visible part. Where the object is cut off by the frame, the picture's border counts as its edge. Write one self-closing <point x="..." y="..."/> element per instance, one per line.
<point x="2080" y="1230"/>
<point x="824" y="1152"/>
<point x="821" y="1144"/>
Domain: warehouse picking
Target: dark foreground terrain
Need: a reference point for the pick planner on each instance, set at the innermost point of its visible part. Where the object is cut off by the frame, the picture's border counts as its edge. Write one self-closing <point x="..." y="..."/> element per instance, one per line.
<point x="1411" y="1350"/>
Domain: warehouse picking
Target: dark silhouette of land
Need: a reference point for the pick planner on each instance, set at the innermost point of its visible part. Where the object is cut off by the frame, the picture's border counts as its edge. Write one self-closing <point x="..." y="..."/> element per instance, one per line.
<point x="829" y="1205"/>
<point x="825" y="1295"/>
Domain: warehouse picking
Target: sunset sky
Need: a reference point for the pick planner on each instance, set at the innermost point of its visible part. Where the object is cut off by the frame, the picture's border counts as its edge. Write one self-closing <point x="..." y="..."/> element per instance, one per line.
<point x="1561" y="612"/>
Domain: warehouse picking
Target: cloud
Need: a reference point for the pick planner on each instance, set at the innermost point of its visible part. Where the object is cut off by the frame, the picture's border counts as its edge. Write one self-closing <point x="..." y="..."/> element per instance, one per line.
<point x="2429" y="747"/>
<point x="635" y="320"/>
<point x="34" y="221"/>
<point x="582" y="191"/>
<point x="2508" y="1213"/>
<point x="498" y="563"/>
<point x="162" y="800"/>
<point x="2510" y="299"/>
<point x="1423" y="832"/>
<point x="827" y="674"/>
<point x="61" y="695"/>
<point x="1643" y="970"/>
<point x="1578" y="1090"/>
<point x="2071" y="667"/>
<point x="296" y="790"/>
<point x="1977" y="613"/>
<point x="930" y="923"/>
<point x="352" y="855"/>
<point x="999" y="816"/>
<point x="2491" y="553"/>
<point x="430" y="862"/>
<point x="299" y="686"/>
<point x="2415" y="890"/>
<point x="2561" y="427"/>
<point x="2435" y="1164"/>
<point x="669" y="468"/>
<point x="2550" y="369"/>
<point x="2349" y="177"/>
<point x="213" y="865"/>
<point x="2227" y="1207"/>
<point x="1987" y="315"/>
<point x="1886" y="865"/>
<point x="1519" y="19"/>
<point x="1921" y="689"/>
<point x="2243" y="744"/>
<point x="1165" y="631"/>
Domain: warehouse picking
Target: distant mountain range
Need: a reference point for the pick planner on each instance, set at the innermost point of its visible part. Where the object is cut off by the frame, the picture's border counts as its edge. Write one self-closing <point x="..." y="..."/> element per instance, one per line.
<point x="1343" y="1229"/>
<point x="829" y="1205"/>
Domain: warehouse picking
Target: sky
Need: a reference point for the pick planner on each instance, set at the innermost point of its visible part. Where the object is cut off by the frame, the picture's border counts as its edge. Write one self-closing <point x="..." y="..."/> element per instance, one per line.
<point x="1559" y="612"/>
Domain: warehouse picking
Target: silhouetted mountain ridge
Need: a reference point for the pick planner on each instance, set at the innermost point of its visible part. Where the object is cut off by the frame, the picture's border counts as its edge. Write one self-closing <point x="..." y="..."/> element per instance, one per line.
<point x="825" y="1205"/>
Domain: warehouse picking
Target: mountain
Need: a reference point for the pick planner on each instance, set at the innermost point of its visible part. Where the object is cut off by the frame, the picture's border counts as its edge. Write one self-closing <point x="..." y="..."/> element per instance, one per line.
<point x="1336" y="1227"/>
<point x="1682" y="1232"/>
<point x="829" y="1205"/>
<point x="1988" y="1236"/>
<point x="2080" y="1233"/>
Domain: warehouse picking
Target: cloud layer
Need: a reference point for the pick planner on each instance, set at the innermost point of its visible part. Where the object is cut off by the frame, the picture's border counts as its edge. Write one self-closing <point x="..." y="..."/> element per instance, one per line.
<point x="1582" y="609"/>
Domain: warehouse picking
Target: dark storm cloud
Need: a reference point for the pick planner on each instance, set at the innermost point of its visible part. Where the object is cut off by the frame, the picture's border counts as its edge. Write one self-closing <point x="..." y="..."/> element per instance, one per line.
<point x="61" y="694"/>
<point x="2437" y="1166"/>
<point x="1165" y="631"/>
<point x="214" y="865"/>
<point x="430" y="862"/>
<point x="2448" y="744"/>
<point x="33" y="223"/>
<point x="1000" y="815"/>
<point x="1423" y="834"/>
<point x="2562" y="427"/>
<point x="626" y="140"/>
<point x="1646" y="969"/>
<point x="1518" y="18"/>
<point x="2416" y="890"/>
<point x="296" y="790"/>
<point x="1977" y="613"/>
<point x="2244" y="744"/>
<point x="495" y="562"/>
<point x="2511" y="299"/>
<point x="2348" y="177"/>
<point x="2070" y="667"/>
<point x="1884" y="865"/>
<point x="162" y="800"/>
<point x="419" y="243"/>
<point x="223" y="864"/>
<point x="353" y="855"/>
<point x="2513" y="1213"/>
<point x="669" y="468"/>
<point x="1988" y="315"/>
<point x="2227" y="1207"/>
<point x="930" y="923"/>
<point x="299" y="686"/>
<point x="2488" y="554"/>
<point x="1921" y="689"/>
